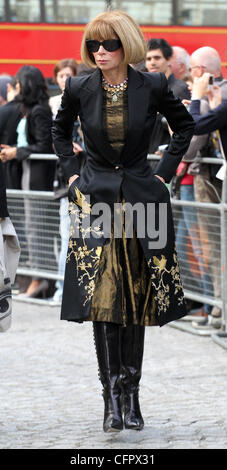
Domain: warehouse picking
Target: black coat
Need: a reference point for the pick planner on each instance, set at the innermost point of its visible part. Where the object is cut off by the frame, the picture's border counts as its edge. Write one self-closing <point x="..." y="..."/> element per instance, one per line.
<point x="3" y="203"/>
<point x="10" y="115"/>
<point x="105" y="174"/>
<point x="38" y="134"/>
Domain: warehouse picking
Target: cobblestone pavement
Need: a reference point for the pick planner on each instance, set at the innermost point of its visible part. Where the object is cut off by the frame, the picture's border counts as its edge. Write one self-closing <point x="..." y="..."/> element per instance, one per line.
<point x="51" y="398"/>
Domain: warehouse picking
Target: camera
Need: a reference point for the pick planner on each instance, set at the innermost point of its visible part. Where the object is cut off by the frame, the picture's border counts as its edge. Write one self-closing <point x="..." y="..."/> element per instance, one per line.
<point x="211" y="80"/>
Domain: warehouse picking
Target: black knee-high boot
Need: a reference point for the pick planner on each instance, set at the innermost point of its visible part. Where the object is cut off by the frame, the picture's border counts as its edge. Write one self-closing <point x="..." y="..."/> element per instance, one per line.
<point x="107" y="342"/>
<point x="132" y="346"/>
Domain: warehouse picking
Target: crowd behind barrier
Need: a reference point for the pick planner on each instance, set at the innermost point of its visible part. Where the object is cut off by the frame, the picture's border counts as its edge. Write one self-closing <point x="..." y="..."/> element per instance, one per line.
<point x="47" y="247"/>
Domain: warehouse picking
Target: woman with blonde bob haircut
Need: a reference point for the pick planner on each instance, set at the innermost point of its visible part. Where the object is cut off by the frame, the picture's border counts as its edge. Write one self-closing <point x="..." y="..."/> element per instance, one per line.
<point x="120" y="280"/>
<point x="119" y="24"/>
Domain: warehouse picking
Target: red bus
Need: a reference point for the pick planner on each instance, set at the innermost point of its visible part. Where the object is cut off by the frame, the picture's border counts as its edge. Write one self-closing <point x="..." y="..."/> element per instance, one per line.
<point x="41" y="32"/>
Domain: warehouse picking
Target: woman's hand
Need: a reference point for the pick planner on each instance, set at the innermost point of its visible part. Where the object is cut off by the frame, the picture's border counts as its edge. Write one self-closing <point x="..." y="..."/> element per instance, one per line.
<point x="186" y="103"/>
<point x="72" y="178"/>
<point x="161" y="179"/>
<point x="7" y="153"/>
<point x="77" y="148"/>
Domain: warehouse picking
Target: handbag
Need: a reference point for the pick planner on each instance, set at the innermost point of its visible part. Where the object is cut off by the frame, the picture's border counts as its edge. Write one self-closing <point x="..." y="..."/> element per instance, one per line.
<point x="9" y="259"/>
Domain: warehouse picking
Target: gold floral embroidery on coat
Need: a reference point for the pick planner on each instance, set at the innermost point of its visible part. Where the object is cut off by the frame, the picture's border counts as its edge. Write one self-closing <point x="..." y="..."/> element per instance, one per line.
<point x="87" y="260"/>
<point x="161" y="287"/>
<point x="80" y="200"/>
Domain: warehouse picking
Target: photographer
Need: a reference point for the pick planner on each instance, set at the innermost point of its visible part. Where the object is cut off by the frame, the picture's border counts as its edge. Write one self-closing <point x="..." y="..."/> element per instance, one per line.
<point x="208" y="187"/>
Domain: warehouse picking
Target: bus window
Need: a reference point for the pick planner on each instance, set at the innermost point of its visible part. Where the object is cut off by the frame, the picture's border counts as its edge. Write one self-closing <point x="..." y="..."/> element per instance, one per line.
<point x="202" y="12"/>
<point x="23" y="10"/>
<point x="150" y="12"/>
<point x="2" y="11"/>
<point x="72" y="11"/>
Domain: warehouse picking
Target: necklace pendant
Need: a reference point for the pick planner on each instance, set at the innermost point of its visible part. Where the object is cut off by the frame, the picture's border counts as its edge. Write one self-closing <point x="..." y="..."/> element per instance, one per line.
<point x="114" y="98"/>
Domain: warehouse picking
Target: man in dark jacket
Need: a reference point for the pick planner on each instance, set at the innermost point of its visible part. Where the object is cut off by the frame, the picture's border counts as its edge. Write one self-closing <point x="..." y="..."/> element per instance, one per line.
<point x="158" y="59"/>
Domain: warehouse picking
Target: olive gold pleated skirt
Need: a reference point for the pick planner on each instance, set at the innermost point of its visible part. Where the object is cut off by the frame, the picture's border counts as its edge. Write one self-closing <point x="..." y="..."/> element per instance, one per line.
<point x="123" y="287"/>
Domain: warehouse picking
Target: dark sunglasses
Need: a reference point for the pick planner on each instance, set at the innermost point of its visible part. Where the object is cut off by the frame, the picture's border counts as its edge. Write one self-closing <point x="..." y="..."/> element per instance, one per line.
<point x="109" y="45"/>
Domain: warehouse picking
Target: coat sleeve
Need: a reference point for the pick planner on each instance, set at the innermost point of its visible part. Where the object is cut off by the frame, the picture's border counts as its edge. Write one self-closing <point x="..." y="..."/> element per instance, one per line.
<point x="211" y="121"/>
<point x="40" y="121"/>
<point x="62" y="130"/>
<point x="182" y="125"/>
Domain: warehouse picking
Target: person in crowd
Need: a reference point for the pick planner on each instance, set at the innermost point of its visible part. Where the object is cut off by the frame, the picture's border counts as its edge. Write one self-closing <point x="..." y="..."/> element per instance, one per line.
<point x="9" y="257"/>
<point x="215" y="118"/>
<point x="180" y="62"/>
<point x="4" y="80"/>
<point x="193" y="274"/>
<point x="6" y="109"/>
<point x="207" y="187"/>
<point x="207" y="184"/>
<point x="207" y="60"/>
<point x="158" y="59"/>
<point x="12" y="90"/>
<point x="3" y="202"/>
<point x="33" y="136"/>
<point x="10" y="115"/>
<point x="63" y="69"/>
<point x="119" y="283"/>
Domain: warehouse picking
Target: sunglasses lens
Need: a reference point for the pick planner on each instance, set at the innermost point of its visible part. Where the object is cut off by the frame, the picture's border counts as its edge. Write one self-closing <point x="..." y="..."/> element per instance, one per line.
<point x="110" y="45"/>
<point x="92" y="45"/>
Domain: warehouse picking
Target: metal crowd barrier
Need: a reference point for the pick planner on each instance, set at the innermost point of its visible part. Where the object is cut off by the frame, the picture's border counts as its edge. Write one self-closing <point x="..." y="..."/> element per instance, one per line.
<point x="202" y="255"/>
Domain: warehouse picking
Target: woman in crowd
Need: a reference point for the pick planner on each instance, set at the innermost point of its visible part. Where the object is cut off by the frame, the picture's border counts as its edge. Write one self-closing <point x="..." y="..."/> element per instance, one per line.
<point x="119" y="283"/>
<point x="33" y="136"/>
<point x="63" y="69"/>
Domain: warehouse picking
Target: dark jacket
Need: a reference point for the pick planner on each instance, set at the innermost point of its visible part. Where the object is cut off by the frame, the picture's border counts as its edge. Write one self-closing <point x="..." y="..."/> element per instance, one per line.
<point x="3" y="203"/>
<point x="6" y="111"/>
<point x="213" y="120"/>
<point x="160" y="134"/>
<point x="10" y="115"/>
<point x="38" y="133"/>
<point x="106" y="175"/>
<point x="179" y="88"/>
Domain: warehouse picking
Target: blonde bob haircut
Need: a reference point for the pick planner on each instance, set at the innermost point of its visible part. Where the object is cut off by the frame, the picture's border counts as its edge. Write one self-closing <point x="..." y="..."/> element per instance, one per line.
<point x="115" y="24"/>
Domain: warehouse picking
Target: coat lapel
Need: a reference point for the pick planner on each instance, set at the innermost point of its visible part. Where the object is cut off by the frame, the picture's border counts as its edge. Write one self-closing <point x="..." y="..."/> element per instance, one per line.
<point x="138" y="101"/>
<point x="92" y="105"/>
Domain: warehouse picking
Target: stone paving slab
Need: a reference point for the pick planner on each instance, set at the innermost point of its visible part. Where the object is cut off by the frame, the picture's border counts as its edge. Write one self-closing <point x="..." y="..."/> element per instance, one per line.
<point x="50" y="395"/>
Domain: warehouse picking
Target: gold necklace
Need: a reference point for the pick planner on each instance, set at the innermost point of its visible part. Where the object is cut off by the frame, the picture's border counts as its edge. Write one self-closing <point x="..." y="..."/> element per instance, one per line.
<point x="115" y="90"/>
